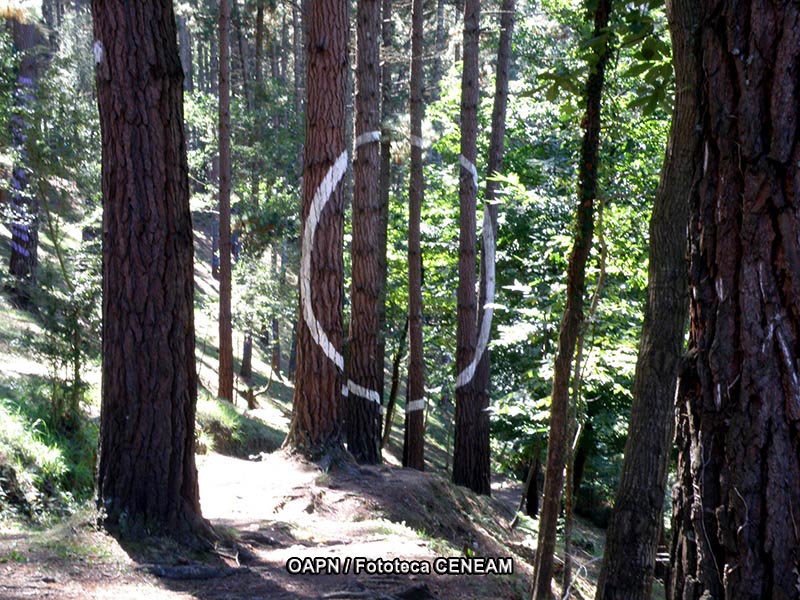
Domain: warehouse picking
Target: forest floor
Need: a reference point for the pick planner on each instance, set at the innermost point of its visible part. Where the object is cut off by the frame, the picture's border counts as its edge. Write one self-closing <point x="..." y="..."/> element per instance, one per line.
<point x="280" y="507"/>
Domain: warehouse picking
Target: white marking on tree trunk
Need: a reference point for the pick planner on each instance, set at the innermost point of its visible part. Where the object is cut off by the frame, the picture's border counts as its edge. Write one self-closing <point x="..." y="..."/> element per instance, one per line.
<point x="318" y="334"/>
<point x="368" y="137"/>
<point x="321" y="197"/>
<point x="363" y="392"/>
<point x="417" y="142"/>
<point x="97" y="50"/>
<point x="415" y="405"/>
<point x="470" y="167"/>
<point x="488" y="308"/>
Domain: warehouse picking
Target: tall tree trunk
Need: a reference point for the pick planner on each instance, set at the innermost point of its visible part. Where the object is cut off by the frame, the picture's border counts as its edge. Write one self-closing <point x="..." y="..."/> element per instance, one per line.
<point x="315" y="427"/>
<point x="225" y="388"/>
<point x="470" y="463"/>
<point x="363" y="423"/>
<point x="736" y="517"/>
<point x="384" y="185"/>
<point x="414" y="445"/>
<point x="636" y="521"/>
<point x="573" y="312"/>
<point x="146" y="475"/>
<point x="479" y="437"/>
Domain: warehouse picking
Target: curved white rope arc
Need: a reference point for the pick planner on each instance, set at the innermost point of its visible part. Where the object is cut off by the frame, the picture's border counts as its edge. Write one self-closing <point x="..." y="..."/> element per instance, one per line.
<point x="321" y="197"/>
<point x="488" y="308"/>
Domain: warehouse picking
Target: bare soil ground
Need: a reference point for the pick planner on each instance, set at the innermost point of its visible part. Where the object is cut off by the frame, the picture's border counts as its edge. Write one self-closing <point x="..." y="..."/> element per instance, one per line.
<point x="280" y="508"/>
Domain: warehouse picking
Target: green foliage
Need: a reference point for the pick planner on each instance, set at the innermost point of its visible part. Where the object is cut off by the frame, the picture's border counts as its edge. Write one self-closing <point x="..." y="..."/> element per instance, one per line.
<point x="221" y="427"/>
<point x="45" y="469"/>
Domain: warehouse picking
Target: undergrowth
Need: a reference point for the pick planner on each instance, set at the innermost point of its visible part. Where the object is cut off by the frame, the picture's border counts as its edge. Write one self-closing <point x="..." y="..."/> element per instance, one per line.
<point x="46" y="470"/>
<point x="226" y="429"/>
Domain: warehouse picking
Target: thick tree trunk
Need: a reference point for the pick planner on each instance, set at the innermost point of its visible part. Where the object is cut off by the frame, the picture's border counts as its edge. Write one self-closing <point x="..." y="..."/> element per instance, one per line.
<point x="470" y="458"/>
<point x="414" y="447"/>
<point x="225" y="388"/>
<point x="315" y="427"/>
<point x="363" y="424"/>
<point x="146" y="475"/>
<point x="573" y="314"/>
<point x="739" y="446"/>
<point x="636" y="521"/>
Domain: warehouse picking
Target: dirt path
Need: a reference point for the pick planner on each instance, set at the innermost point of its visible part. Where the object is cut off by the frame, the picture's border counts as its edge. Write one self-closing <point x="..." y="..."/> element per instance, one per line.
<point x="286" y="514"/>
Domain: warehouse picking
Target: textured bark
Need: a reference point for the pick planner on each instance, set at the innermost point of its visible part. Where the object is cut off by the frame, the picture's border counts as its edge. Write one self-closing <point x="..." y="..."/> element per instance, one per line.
<point x="225" y="387"/>
<point x="573" y="314"/>
<point x="146" y="475"/>
<point x="470" y="458"/>
<point x="315" y="427"/>
<point x="384" y="185"/>
<point x="363" y="424"/>
<point x="414" y="439"/>
<point x="737" y="518"/>
<point x="636" y="521"/>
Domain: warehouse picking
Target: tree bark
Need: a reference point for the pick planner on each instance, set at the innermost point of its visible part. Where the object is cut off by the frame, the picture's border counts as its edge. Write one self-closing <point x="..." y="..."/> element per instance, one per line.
<point x="363" y="424"/>
<point x="315" y="427"/>
<point x="573" y="312"/>
<point x="470" y="458"/>
<point x="146" y="475"/>
<point x="384" y="186"/>
<point x="636" y="521"/>
<point x="739" y="444"/>
<point x="414" y="450"/>
<point x="479" y="438"/>
<point x="246" y="369"/>
<point x="225" y="388"/>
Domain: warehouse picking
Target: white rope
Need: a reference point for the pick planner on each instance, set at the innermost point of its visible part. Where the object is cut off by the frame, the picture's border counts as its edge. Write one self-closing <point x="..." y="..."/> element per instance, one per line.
<point x="415" y="405"/>
<point x="363" y="392"/>
<point x="368" y="137"/>
<point x="321" y="197"/>
<point x="488" y="308"/>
